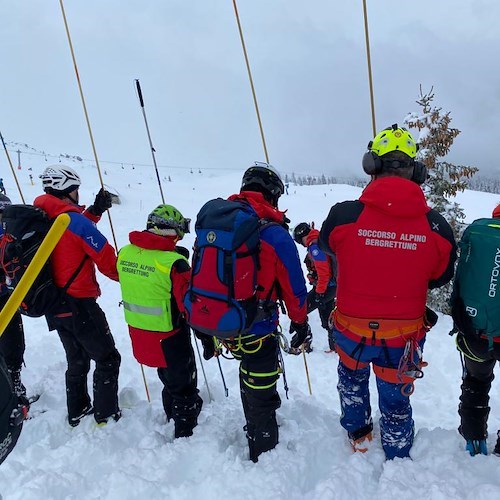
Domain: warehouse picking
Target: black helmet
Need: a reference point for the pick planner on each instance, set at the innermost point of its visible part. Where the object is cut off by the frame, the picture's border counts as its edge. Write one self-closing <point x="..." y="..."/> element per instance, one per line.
<point x="4" y="202"/>
<point x="301" y="230"/>
<point x="264" y="176"/>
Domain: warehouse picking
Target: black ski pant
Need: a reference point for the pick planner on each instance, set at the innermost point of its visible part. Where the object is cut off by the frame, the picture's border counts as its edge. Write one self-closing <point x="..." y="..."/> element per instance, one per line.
<point x="12" y="344"/>
<point x="324" y="310"/>
<point x="259" y="373"/>
<point x="85" y="335"/>
<point x="180" y="392"/>
<point x="478" y="376"/>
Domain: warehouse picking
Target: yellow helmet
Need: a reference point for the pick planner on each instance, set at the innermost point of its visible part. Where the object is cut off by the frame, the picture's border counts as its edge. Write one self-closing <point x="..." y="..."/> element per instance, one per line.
<point x="394" y="139"/>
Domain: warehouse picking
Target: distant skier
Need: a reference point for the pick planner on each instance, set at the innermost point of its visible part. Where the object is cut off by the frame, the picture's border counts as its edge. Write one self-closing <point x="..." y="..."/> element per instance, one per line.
<point x="321" y="271"/>
<point x="154" y="311"/>
<point x="80" y="322"/>
<point x="12" y="344"/>
<point x="2" y="187"/>
<point x="390" y="247"/>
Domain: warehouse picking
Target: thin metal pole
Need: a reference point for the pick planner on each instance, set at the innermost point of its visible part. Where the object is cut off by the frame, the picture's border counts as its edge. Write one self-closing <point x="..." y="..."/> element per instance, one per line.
<point x="226" y="390"/>
<point x="251" y="80"/>
<point x="203" y="369"/>
<point x="12" y="168"/>
<point x="369" y="62"/>
<point x="91" y="135"/>
<point x="153" y="151"/>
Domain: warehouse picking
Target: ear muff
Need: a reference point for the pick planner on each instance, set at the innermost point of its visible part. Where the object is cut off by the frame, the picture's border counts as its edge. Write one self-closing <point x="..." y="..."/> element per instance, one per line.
<point x="372" y="164"/>
<point x="419" y="173"/>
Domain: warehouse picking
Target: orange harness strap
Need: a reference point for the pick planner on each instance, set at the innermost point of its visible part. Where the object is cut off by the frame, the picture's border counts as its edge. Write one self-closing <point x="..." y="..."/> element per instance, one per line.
<point x="349" y="362"/>
<point x="391" y="375"/>
<point x="380" y="328"/>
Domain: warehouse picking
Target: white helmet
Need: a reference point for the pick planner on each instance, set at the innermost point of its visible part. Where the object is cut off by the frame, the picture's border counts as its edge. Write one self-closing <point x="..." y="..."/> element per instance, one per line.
<point x="60" y="178"/>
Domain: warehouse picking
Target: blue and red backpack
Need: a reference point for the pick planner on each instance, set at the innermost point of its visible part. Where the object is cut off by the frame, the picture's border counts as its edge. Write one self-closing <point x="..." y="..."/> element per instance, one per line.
<point x="221" y="300"/>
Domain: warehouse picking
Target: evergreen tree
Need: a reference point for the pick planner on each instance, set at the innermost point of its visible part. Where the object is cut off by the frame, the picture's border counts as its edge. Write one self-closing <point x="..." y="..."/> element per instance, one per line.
<point x="445" y="179"/>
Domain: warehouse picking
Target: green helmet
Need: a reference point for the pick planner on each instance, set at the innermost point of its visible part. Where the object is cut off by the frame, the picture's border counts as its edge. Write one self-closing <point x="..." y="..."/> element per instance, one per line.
<point x="167" y="217"/>
<point x="394" y="139"/>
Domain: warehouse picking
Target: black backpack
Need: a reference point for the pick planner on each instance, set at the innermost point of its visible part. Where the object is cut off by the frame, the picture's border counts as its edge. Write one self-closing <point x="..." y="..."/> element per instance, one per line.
<point x="25" y="227"/>
<point x="11" y="414"/>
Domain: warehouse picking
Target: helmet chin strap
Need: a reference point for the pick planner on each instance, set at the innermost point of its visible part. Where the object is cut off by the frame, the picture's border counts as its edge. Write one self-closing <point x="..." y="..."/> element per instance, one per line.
<point x="71" y="198"/>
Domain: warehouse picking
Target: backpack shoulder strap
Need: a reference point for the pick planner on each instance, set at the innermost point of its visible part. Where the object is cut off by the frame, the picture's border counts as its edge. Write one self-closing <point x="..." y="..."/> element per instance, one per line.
<point x="74" y="275"/>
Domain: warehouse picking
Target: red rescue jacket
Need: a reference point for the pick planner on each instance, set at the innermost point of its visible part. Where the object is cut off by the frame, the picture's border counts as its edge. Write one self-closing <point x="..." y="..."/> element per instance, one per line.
<point x="81" y="239"/>
<point x="390" y="248"/>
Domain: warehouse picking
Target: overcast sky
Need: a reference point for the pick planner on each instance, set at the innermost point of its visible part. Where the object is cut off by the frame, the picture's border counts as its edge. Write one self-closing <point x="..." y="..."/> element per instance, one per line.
<point x="309" y="65"/>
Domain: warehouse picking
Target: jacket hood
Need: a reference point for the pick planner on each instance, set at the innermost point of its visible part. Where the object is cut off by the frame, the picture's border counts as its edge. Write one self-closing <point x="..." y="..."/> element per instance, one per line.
<point x="395" y="196"/>
<point x="150" y="241"/>
<point x="496" y="212"/>
<point x="54" y="206"/>
<point x="261" y="206"/>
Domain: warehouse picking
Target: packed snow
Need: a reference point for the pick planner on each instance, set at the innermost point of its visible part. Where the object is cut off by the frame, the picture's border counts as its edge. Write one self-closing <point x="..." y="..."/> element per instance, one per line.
<point x="137" y="457"/>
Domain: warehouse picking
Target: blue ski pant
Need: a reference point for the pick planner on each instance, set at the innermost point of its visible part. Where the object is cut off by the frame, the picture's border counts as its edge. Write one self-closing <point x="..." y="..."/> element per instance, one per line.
<point x="396" y="422"/>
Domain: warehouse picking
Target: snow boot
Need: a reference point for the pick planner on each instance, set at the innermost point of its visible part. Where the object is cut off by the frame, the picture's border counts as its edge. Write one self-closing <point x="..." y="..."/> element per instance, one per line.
<point x="74" y="421"/>
<point x="101" y="422"/>
<point x="477" y="447"/>
<point x="361" y="444"/>
<point x="185" y="415"/>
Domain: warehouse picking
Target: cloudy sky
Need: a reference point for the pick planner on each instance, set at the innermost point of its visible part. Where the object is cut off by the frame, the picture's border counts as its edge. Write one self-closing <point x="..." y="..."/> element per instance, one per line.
<point x="309" y="65"/>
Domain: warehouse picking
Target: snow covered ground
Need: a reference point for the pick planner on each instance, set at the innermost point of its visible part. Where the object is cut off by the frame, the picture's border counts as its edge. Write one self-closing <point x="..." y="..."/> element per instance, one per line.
<point x="137" y="456"/>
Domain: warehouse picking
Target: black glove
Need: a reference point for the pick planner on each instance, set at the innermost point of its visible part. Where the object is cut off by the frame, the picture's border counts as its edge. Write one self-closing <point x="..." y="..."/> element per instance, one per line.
<point x="183" y="251"/>
<point x="303" y="333"/>
<point x="101" y="203"/>
<point x="208" y="345"/>
<point x="321" y="300"/>
<point x="430" y="318"/>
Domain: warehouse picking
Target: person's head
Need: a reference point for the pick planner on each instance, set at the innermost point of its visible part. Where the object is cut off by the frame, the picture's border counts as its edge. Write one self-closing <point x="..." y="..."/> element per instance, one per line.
<point x="4" y="203"/>
<point x="496" y="212"/>
<point x="392" y="152"/>
<point x="263" y="178"/>
<point x="300" y="233"/>
<point x="61" y="181"/>
<point x="166" y="220"/>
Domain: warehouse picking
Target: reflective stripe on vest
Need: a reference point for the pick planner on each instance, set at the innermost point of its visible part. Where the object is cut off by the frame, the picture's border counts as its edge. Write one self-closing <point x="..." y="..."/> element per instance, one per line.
<point x="152" y="311"/>
<point x="147" y="287"/>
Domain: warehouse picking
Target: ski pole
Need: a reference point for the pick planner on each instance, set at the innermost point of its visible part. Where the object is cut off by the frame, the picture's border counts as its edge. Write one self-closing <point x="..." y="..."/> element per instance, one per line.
<point x="153" y="151"/>
<point x="12" y="168"/>
<point x="226" y="390"/>
<point x="91" y="135"/>
<point x="203" y="369"/>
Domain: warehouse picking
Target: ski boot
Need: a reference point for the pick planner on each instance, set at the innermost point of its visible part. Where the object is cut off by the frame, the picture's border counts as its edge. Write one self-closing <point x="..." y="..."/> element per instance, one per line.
<point x="476" y="447"/>
<point x="361" y="444"/>
<point x="74" y="421"/>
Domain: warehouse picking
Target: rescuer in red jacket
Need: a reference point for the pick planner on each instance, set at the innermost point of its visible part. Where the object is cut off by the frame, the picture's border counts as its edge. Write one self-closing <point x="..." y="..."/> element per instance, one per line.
<point x="80" y="322"/>
<point x="390" y="248"/>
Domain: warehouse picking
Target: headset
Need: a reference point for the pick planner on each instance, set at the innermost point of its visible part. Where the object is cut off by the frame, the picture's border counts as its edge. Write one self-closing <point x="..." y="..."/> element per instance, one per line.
<point x="373" y="164"/>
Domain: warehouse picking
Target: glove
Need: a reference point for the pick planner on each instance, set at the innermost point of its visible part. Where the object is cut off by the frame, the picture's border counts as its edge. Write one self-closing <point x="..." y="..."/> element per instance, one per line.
<point x="183" y="251"/>
<point x="430" y="318"/>
<point x="101" y="203"/>
<point x="303" y="333"/>
<point x="208" y="345"/>
<point x="320" y="300"/>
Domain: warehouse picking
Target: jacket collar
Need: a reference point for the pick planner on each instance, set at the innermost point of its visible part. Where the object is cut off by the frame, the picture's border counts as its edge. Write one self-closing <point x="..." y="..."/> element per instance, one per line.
<point x="261" y="206"/>
<point x="151" y="241"/>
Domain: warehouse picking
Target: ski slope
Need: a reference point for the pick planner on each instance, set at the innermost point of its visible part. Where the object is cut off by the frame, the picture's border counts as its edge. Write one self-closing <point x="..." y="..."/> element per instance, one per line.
<point x="137" y="458"/>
